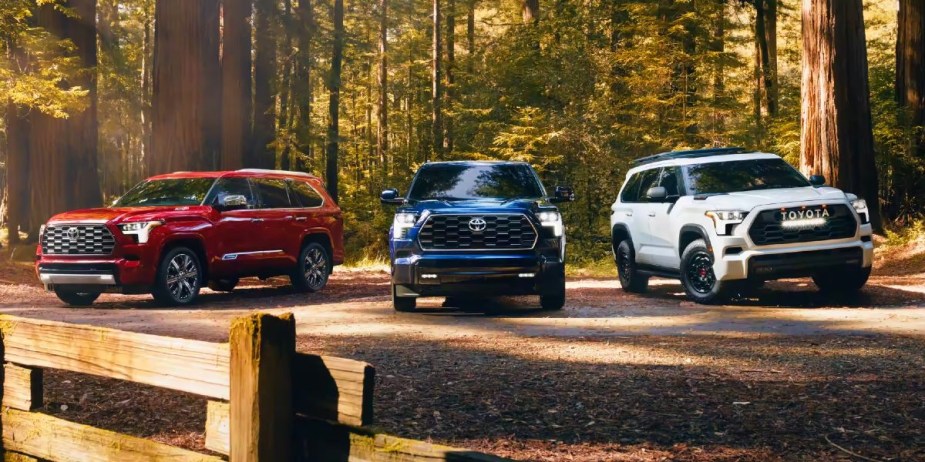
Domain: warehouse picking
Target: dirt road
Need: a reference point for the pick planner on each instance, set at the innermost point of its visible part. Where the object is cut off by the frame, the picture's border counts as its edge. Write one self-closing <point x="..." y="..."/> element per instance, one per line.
<point x="789" y="375"/>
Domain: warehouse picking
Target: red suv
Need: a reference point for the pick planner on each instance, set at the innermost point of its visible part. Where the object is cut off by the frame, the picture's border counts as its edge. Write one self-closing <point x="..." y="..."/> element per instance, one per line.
<point x="174" y="233"/>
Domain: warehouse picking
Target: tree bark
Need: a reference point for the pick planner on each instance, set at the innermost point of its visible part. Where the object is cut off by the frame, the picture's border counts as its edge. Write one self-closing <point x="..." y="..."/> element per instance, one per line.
<point x="910" y="63"/>
<point x="837" y="138"/>
<point x="437" y="86"/>
<point x="236" y="83"/>
<point x="531" y="11"/>
<point x="183" y="112"/>
<point x="302" y="86"/>
<point x="337" y="56"/>
<point x="450" y="78"/>
<point x="265" y="13"/>
<point x="210" y="11"/>
<point x="17" y="172"/>
<point x="382" y="132"/>
<point x="470" y="36"/>
<point x="766" y="36"/>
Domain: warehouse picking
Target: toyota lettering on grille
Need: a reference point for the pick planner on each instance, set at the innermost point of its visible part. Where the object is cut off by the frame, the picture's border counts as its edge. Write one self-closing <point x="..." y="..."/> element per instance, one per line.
<point x="804" y="218"/>
<point x="478" y="224"/>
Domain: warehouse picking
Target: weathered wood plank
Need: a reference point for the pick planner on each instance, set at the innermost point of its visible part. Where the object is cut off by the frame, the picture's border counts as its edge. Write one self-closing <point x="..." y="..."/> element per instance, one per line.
<point x="22" y="387"/>
<point x="320" y="441"/>
<point x="9" y="456"/>
<point x="178" y="364"/>
<point x="57" y="440"/>
<point x="262" y="350"/>
<point x="217" y="427"/>
<point x="335" y="389"/>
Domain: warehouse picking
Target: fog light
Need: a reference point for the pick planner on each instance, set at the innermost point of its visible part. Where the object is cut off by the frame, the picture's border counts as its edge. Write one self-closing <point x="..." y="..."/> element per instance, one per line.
<point x="428" y="276"/>
<point x="526" y="275"/>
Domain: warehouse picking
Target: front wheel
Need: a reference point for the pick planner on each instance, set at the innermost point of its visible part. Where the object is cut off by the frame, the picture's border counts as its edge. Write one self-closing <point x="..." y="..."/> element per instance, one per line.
<point x="311" y="274"/>
<point x="842" y="281"/>
<point x="74" y="298"/>
<point x="630" y="278"/>
<point x="179" y="278"/>
<point x="697" y="275"/>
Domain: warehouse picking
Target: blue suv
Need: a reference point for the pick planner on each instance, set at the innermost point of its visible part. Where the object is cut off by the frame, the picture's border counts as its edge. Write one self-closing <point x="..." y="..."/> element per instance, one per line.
<point x="469" y="229"/>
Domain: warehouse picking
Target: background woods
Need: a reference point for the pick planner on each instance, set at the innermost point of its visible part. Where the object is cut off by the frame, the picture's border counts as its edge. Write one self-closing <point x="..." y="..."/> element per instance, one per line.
<point x="98" y="94"/>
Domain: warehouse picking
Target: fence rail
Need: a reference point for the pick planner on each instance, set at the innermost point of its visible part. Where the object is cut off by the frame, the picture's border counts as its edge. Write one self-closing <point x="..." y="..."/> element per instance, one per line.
<point x="266" y="402"/>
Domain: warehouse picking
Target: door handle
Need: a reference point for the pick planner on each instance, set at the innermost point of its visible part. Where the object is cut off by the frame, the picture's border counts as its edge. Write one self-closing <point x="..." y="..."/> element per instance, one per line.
<point x="257" y="220"/>
<point x="301" y="219"/>
<point x="651" y="214"/>
<point x="289" y="218"/>
<point x="629" y="214"/>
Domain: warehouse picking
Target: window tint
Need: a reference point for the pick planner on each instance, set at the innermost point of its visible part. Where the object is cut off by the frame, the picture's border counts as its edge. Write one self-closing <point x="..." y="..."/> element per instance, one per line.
<point x="743" y="175"/>
<point x="180" y="191"/>
<point x="631" y="190"/>
<point x="669" y="179"/>
<point x="273" y="194"/>
<point x="305" y="195"/>
<point x="648" y="179"/>
<point x="232" y="187"/>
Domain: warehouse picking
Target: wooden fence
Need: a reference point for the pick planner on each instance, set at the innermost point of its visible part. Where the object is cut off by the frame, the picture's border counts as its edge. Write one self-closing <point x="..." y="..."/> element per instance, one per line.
<point x="267" y="402"/>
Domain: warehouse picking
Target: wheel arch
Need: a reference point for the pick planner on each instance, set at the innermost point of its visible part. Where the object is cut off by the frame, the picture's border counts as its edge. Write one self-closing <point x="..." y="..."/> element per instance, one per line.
<point x="690" y="233"/>
<point x="321" y="237"/>
<point x="193" y="243"/>
<point x="618" y="234"/>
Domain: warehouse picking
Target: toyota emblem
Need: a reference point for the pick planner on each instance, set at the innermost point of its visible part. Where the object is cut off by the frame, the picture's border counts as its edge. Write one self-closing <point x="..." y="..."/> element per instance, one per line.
<point x="478" y="224"/>
<point x="73" y="234"/>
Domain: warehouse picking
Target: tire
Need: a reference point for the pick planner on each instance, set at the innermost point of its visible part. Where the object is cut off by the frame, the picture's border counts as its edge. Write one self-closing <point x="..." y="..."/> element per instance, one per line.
<point x="553" y="302"/>
<point x="630" y="278"/>
<point x="697" y="276"/>
<point x="223" y="285"/>
<point x="312" y="271"/>
<point x="843" y="281"/>
<point x="74" y="298"/>
<point x="403" y="304"/>
<point x="179" y="278"/>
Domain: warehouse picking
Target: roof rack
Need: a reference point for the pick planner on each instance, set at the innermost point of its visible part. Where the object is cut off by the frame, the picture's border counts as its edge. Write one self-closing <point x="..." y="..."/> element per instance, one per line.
<point x="279" y="172"/>
<point x="690" y="154"/>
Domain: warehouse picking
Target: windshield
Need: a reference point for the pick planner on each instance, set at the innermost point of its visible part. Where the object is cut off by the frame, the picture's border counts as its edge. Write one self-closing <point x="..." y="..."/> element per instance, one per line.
<point x="177" y="191"/>
<point x="475" y="181"/>
<point x="743" y="175"/>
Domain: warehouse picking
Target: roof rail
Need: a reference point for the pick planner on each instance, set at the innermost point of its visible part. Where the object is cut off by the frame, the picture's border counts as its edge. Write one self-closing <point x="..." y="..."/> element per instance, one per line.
<point x="279" y="172"/>
<point x="690" y="154"/>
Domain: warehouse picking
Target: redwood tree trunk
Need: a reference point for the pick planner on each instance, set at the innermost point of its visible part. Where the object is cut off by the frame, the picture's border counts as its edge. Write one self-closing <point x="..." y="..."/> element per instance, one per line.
<point x="264" y="84"/>
<point x="302" y="86"/>
<point x="837" y="138"/>
<point x="910" y="62"/>
<point x="17" y="171"/>
<point x="236" y="83"/>
<point x="437" y="84"/>
<point x="183" y="119"/>
<point x="337" y="56"/>
<point x="766" y="36"/>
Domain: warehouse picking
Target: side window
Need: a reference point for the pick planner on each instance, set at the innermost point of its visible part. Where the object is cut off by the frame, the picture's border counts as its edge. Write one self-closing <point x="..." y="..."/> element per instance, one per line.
<point x="230" y="187"/>
<point x="648" y="179"/>
<point x="273" y="194"/>
<point x="670" y="179"/>
<point x="631" y="190"/>
<point x="304" y="194"/>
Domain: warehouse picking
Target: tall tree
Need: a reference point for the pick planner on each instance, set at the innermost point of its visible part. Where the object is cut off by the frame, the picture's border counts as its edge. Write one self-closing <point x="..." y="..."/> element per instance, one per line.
<point x="63" y="152"/>
<point x="470" y="35"/>
<point x="910" y="63"/>
<point x="382" y="132"/>
<point x="265" y="17"/>
<point x="450" y="79"/>
<point x="183" y="109"/>
<point x="437" y="86"/>
<point x="302" y="83"/>
<point x="334" y="84"/>
<point x="766" y="37"/>
<point x="531" y="11"/>
<point x="837" y="137"/>
<point x="236" y="83"/>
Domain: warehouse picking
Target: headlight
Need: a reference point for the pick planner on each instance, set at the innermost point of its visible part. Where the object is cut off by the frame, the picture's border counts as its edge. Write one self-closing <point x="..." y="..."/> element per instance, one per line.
<point x="552" y="220"/>
<point x="860" y="206"/>
<point x="723" y="219"/>
<point x="403" y="222"/>
<point x="141" y="229"/>
<point x="41" y="231"/>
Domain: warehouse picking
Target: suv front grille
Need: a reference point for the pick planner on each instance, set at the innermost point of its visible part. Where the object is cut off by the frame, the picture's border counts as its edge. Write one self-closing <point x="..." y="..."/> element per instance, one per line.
<point x="77" y="240"/>
<point x="768" y="229"/>
<point x="501" y="232"/>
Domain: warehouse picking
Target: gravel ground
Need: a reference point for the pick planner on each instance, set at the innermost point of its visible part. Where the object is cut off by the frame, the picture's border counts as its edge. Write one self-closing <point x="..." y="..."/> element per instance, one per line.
<point x="788" y="375"/>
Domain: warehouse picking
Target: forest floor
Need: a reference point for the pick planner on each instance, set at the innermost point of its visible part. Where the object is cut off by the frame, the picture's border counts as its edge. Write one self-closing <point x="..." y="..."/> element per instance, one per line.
<point x="789" y="375"/>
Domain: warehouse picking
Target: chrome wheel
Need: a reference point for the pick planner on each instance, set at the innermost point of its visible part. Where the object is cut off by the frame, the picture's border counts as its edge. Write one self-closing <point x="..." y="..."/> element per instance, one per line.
<point x="316" y="268"/>
<point x="700" y="273"/>
<point x="182" y="277"/>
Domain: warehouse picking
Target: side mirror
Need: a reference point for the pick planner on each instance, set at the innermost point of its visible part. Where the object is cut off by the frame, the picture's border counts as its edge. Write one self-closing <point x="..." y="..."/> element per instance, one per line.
<point x="391" y="197"/>
<point x="657" y="194"/>
<point x="817" y="180"/>
<point x="232" y="202"/>
<point x="563" y="194"/>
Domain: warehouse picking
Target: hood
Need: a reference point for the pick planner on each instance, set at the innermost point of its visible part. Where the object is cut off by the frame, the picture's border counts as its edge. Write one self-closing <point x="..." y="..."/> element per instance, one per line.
<point x="477" y="206"/>
<point x="120" y="214"/>
<point x="747" y="200"/>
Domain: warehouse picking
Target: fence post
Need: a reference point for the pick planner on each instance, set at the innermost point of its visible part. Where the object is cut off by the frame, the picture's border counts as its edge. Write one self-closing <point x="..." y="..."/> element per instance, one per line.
<point x="261" y="426"/>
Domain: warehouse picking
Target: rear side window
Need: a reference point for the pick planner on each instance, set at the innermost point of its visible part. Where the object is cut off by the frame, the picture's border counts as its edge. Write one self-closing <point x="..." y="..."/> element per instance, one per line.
<point x="305" y="195"/>
<point x="631" y="190"/>
<point x="670" y="179"/>
<point x="232" y="187"/>
<point x="647" y="179"/>
<point x="273" y="193"/>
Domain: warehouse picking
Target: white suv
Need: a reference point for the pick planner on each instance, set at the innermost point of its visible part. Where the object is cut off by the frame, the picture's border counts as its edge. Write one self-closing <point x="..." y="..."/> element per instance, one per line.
<point x="726" y="220"/>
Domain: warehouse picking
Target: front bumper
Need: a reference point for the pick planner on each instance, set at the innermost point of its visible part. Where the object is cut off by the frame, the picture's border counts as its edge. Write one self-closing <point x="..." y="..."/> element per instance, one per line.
<point x="131" y="269"/>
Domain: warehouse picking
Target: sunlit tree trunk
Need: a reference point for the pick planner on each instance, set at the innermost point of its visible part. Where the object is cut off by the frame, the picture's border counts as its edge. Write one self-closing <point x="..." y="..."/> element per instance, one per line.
<point x="302" y="85"/>
<point x="382" y="131"/>
<point x="437" y="85"/>
<point x="450" y="78"/>
<point x="470" y="36"/>
<point x="837" y="138"/>
<point x="236" y="83"/>
<point x="334" y="84"/>
<point x="284" y="95"/>
<point x="265" y="13"/>
<point x="17" y="172"/>
<point x="531" y="11"/>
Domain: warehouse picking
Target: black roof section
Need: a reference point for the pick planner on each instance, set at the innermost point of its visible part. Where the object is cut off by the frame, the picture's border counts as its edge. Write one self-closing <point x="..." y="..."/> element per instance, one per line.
<point x="689" y="154"/>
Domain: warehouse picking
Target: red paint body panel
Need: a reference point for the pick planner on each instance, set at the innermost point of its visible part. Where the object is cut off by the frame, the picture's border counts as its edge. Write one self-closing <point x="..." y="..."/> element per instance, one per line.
<point x="263" y="242"/>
